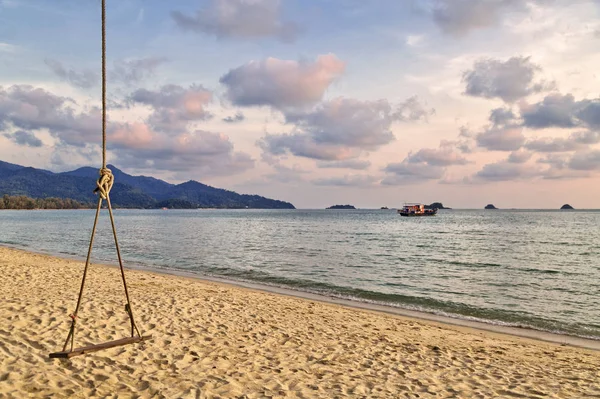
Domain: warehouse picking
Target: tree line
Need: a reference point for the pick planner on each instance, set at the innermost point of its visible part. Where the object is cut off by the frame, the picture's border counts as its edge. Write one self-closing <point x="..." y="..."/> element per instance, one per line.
<point x="24" y="202"/>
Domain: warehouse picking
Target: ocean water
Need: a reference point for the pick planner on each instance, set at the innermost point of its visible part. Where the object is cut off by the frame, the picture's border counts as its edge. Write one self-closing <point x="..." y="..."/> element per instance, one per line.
<point x="533" y="269"/>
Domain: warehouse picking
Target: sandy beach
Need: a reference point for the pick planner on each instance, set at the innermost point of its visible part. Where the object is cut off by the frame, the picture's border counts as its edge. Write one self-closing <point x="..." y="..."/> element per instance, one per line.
<point x="213" y="340"/>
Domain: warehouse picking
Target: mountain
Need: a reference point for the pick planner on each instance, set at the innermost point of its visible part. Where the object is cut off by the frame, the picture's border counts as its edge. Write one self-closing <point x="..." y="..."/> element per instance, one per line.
<point x="566" y="206"/>
<point x="128" y="191"/>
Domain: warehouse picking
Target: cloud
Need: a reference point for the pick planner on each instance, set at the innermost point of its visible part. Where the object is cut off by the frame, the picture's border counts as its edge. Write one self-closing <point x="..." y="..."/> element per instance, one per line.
<point x="136" y="145"/>
<point x="340" y="129"/>
<point x="348" y="164"/>
<point x="347" y="181"/>
<point x="504" y="134"/>
<point x="458" y="17"/>
<point x="425" y="164"/>
<point x="520" y="156"/>
<point x="496" y="138"/>
<point x="559" y="167"/>
<point x="27" y="108"/>
<point x="444" y="156"/>
<point x="281" y="83"/>
<point x="128" y="72"/>
<point x="585" y="160"/>
<point x="174" y="106"/>
<point x="510" y="80"/>
<point x="406" y="173"/>
<point x="285" y="174"/>
<point x="134" y="71"/>
<point x="84" y="79"/>
<point x="555" y="110"/>
<point x="502" y="116"/>
<point x="562" y="111"/>
<point x="302" y="145"/>
<point x="243" y="19"/>
<point x="505" y="171"/>
<point x="238" y="117"/>
<point x="24" y="138"/>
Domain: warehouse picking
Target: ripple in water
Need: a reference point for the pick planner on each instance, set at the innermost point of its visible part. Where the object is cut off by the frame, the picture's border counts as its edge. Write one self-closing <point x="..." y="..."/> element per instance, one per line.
<point x="534" y="269"/>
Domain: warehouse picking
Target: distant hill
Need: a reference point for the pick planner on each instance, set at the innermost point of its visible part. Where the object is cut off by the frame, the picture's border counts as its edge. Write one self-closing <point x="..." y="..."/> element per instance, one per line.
<point x="566" y="206"/>
<point x="341" y="207"/>
<point x="128" y="191"/>
<point x="490" y="206"/>
<point x="436" y="205"/>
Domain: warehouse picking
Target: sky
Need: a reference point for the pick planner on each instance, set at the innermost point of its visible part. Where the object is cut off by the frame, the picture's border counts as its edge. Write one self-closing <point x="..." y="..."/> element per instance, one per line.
<point x="376" y="103"/>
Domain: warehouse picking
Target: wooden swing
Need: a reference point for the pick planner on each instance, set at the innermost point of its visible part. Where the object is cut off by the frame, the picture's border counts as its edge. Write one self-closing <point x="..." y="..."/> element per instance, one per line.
<point x="104" y="184"/>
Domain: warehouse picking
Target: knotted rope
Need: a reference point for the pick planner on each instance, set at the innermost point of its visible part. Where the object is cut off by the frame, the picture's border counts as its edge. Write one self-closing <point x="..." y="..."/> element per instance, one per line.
<point x="103" y="187"/>
<point x="104" y="183"/>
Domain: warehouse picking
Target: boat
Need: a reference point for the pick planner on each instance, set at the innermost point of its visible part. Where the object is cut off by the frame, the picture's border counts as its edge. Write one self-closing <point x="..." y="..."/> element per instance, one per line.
<point x="414" y="209"/>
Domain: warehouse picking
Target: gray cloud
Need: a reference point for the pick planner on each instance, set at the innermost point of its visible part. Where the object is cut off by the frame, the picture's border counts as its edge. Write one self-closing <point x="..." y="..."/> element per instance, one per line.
<point x="128" y="72"/>
<point x="27" y="108"/>
<point x="174" y="107"/>
<point x="575" y="141"/>
<point x="552" y="145"/>
<point x="506" y="170"/>
<point x="24" y="138"/>
<point x="502" y="116"/>
<point x="504" y="134"/>
<point x="238" y="117"/>
<point x="348" y="164"/>
<point x="520" y="156"/>
<point x="554" y="110"/>
<point x="239" y="19"/>
<point x="339" y="129"/>
<point x="136" y="145"/>
<point x="406" y="173"/>
<point x="412" y="109"/>
<point x="458" y="17"/>
<point x="508" y="138"/>
<point x="302" y="145"/>
<point x="347" y="181"/>
<point x="84" y="79"/>
<point x="285" y="174"/>
<point x="281" y="83"/>
<point x="444" y="156"/>
<point x="134" y="71"/>
<point x="562" y="111"/>
<point x="585" y="160"/>
<point x="425" y="164"/>
<point x="510" y="80"/>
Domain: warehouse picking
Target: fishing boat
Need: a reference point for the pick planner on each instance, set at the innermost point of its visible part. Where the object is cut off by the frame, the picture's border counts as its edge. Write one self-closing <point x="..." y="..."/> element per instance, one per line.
<point x="416" y="210"/>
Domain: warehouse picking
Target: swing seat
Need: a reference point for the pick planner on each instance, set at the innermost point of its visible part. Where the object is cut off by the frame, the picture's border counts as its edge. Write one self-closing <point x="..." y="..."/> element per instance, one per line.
<point x="93" y="348"/>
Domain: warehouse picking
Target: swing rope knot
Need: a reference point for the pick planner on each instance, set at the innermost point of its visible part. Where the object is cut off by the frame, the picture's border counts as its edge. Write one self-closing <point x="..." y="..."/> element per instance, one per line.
<point x="105" y="182"/>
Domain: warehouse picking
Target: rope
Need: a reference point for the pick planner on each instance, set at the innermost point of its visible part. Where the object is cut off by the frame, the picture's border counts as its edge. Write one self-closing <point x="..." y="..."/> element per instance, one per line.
<point x="103" y="187"/>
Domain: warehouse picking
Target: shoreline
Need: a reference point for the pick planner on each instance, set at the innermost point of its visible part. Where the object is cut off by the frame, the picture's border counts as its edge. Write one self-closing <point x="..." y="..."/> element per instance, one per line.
<point x="213" y="339"/>
<point x="435" y="319"/>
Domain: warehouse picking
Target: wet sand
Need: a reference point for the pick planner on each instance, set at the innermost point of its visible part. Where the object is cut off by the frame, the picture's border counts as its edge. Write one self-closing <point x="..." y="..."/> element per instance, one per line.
<point x="215" y="340"/>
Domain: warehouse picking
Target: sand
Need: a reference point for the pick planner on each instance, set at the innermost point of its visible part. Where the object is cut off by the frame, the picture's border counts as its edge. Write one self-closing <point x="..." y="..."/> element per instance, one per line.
<point x="213" y="340"/>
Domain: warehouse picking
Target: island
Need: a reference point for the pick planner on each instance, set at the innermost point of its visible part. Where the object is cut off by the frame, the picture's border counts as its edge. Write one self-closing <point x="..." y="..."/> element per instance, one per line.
<point x="566" y="206"/>
<point x="384" y="207"/>
<point x="23" y="187"/>
<point x="341" y="207"/>
<point x="490" y="206"/>
<point x="436" y="205"/>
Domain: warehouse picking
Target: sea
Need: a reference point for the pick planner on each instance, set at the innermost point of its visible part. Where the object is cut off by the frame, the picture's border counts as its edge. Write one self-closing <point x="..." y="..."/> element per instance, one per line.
<point x="536" y="269"/>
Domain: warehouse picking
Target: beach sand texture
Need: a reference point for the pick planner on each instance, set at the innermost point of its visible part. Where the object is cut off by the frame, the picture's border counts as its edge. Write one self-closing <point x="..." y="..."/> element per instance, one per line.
<point x="213" y="340"/>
